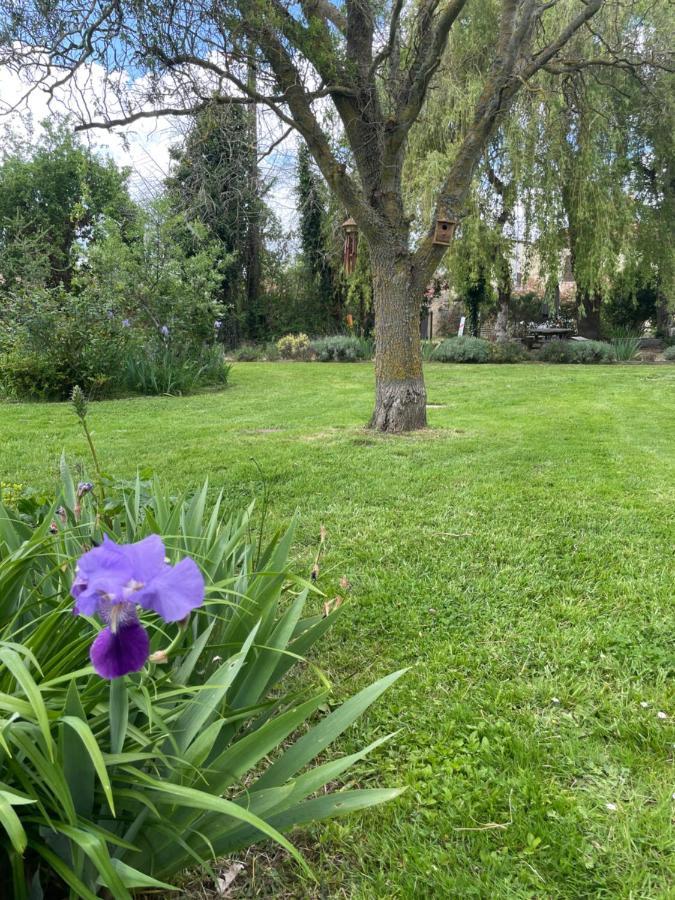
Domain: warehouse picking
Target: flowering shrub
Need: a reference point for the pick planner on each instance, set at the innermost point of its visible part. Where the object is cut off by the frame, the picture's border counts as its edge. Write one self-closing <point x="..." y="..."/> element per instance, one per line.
<point x="294" y="346"/>
<point x="184" y="741"/>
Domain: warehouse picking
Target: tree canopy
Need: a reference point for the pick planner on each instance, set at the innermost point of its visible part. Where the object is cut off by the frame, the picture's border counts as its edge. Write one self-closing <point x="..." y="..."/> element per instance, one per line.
<point x="52" y="197"/>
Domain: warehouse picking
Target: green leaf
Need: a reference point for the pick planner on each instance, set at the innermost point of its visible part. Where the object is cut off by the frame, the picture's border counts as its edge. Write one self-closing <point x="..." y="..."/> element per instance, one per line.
<point x="184" y="796"/>
<point x="12" y="824"/>
<point x="51" y="775"/>
<point x="78" y="767"/>
<point x="197" y="713"/>
<point x="318" y="738"/>
<point x="337" y="804"/>
<point x="132" y="878"/>
<point x="68" y="486"/>
<point x="247" y="752"/>
<point x="97" y="852"/>
<point x="260" y="672"/>
<point x="119" y="714"/>
<point x="316" y="778"/>
<point x="184" y="673"/>
<point x="55" y="862"/>
<point x="25" y="680"/>
<point x="86" y="736"/>
<point x="326" y="807"/>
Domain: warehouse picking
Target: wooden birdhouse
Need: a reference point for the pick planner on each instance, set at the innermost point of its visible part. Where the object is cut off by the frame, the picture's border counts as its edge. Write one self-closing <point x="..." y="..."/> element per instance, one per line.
<point x="351" y="233"/>
<point x="444" y="231"/>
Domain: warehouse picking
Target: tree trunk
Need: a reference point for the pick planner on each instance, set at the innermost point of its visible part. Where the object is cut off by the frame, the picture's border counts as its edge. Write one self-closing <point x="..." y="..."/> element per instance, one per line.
<point x="588" y="315"/>
<point x="503" y="301"/>
<point x="400" y="395"/>
<point x="502" y="323"/>
<point x="504" y="282"/>
<point x="663" y="316"/>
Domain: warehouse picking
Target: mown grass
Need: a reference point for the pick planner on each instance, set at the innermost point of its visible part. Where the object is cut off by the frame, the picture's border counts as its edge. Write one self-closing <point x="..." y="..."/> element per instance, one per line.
<point x="518" y="556"/>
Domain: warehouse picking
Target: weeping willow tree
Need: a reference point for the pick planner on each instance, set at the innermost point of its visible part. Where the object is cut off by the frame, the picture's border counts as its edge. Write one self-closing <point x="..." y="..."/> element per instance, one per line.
<point x="584" y="159"/>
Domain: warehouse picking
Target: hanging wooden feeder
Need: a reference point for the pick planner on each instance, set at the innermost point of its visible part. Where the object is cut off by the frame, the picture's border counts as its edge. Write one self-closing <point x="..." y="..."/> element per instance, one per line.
<point x="351" y="233"/>
<point x="444" y="231"/>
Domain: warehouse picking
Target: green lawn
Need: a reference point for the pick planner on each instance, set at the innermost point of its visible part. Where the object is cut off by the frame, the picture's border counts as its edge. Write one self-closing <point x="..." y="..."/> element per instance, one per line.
<point x="518" y="556"/>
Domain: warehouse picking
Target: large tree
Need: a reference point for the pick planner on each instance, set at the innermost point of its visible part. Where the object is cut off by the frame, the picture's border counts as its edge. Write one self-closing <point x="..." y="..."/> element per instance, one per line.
<point x="354" y="74"/>
<point x="53" y="193"/>
<point x="326" y="309"/>
<point x="215" y="181"/>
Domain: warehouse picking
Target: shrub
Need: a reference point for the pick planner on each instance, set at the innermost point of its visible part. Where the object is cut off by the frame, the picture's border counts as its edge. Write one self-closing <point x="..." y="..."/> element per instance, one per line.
<point x="626" y="344"/>
<point x="342" y="348"/>
<point x="669" y="353"/>
<point x="52" y="340"/>
<point x="249" y="353"/>
<point x="462" y="350"/>
<point x="508" y="352"/>
<point x="294" y="346"/>
<point x="576" y="352"/>
<point x="271" y="351"/>
<point x="109" y="787"/>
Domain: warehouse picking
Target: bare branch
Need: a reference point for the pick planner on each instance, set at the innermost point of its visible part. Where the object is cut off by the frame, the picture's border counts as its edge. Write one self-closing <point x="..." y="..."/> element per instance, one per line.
<point x="387" y="50"/>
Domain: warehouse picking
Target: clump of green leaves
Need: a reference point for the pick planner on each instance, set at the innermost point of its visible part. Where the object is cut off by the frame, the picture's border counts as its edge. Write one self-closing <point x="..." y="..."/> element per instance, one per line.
<point x="169" y="368"/>
<point x="107" y="788"/>
<point x="626" y="344"/>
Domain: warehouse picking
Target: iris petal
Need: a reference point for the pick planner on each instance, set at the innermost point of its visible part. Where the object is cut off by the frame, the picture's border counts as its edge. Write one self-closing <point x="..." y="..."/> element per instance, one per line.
<point x="122" y="652"/>
<point x="174" y="593"/>
<point x="145" y="558"/>
<point x="103" y="570"/>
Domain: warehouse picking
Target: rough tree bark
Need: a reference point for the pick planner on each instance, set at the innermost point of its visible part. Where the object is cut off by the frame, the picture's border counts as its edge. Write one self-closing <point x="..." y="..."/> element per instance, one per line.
<point x="400" y="395"/>
<point x="588" y="314"/>
<point x="503" y="300"/>
<point x="502" y="323"/>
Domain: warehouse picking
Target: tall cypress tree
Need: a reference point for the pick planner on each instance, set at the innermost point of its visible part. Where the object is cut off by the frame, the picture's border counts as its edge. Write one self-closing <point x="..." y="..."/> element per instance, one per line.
<point x="313" y="218"/>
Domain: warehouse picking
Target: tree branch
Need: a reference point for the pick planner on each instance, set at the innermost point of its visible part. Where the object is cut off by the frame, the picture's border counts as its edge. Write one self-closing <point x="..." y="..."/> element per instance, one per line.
<point x="508" y="74"/>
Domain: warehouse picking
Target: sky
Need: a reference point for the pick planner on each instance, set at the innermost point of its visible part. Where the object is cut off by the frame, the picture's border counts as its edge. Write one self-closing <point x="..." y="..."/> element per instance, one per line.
<point x="144" y="146"/>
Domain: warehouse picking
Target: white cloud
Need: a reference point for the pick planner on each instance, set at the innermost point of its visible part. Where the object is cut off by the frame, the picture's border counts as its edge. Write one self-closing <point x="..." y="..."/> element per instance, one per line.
<point x="143" y="146"/>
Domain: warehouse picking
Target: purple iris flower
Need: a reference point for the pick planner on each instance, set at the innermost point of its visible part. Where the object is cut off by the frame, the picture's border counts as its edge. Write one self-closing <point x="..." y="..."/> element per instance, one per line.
<point x="164" y="331"/>
<point x="113" y="579"/>
<point x="126" y="323"/>
<point x="84" y="487"/>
